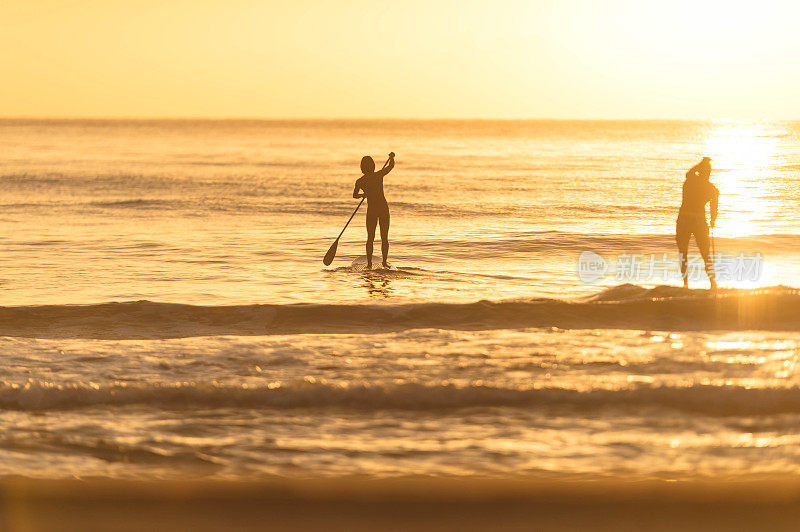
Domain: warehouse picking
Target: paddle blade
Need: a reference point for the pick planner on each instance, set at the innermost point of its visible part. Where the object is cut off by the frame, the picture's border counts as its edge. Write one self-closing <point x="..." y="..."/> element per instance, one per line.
<point x="331" y="253"/>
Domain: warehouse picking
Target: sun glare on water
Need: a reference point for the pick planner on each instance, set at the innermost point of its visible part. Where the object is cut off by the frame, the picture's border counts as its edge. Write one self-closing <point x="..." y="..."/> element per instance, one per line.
<point x="744" y="157"/>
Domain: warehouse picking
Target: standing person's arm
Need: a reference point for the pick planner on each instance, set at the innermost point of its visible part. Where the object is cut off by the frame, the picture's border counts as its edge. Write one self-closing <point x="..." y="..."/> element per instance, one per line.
<point x="714" y="206"/>
<point x="693" y="170"/>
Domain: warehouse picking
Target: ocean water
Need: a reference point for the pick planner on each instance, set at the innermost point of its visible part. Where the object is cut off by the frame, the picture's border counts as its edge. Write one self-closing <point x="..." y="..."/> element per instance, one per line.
<point x="165" y="310"/>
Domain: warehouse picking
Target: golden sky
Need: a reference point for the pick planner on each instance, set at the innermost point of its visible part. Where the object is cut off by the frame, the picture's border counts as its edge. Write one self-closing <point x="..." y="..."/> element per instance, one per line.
<point x="400" y="58"/>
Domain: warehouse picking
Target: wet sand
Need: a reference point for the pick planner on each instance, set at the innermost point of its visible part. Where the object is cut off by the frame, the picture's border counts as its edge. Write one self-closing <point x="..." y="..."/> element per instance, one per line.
<point x="401" y="504"/>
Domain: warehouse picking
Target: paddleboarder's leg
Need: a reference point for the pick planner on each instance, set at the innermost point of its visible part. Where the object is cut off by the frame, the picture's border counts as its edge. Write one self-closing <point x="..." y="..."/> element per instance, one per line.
<point x="384" y="220"/>
<point x="372" y="221"/>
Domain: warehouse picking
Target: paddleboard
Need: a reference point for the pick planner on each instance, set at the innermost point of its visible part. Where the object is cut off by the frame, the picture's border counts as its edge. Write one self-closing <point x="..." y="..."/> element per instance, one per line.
<point x="360" y="265"/>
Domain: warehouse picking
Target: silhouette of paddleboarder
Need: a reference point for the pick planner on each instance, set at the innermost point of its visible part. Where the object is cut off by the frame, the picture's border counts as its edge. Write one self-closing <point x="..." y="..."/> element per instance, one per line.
<point x="697" y="191"/>
<point x="371" y="186"/>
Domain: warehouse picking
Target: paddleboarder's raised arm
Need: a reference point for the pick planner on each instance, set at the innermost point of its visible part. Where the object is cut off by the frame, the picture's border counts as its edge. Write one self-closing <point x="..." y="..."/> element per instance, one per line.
<point x="388" y="168"/>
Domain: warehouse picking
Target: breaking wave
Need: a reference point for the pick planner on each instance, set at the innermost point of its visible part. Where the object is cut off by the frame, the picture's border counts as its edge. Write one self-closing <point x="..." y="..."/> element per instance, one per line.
<point x="622" y="307"/>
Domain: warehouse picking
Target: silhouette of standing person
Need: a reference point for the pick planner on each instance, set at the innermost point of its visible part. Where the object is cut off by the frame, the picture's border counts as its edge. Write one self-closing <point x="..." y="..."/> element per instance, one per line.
<point x="371" y="183"/>
<point x="697" y="191"/>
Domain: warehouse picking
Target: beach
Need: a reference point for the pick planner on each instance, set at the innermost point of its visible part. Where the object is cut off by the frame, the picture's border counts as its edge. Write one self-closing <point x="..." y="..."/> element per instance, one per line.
<point x="401" y="504"/>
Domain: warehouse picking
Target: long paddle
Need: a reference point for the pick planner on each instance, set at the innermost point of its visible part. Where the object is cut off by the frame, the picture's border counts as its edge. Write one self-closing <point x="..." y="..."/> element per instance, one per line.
<point x="329" y="256"/>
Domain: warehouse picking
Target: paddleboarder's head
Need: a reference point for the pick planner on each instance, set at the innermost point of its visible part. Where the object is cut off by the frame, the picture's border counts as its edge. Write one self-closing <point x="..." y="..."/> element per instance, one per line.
<point x="367" y="165"/>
